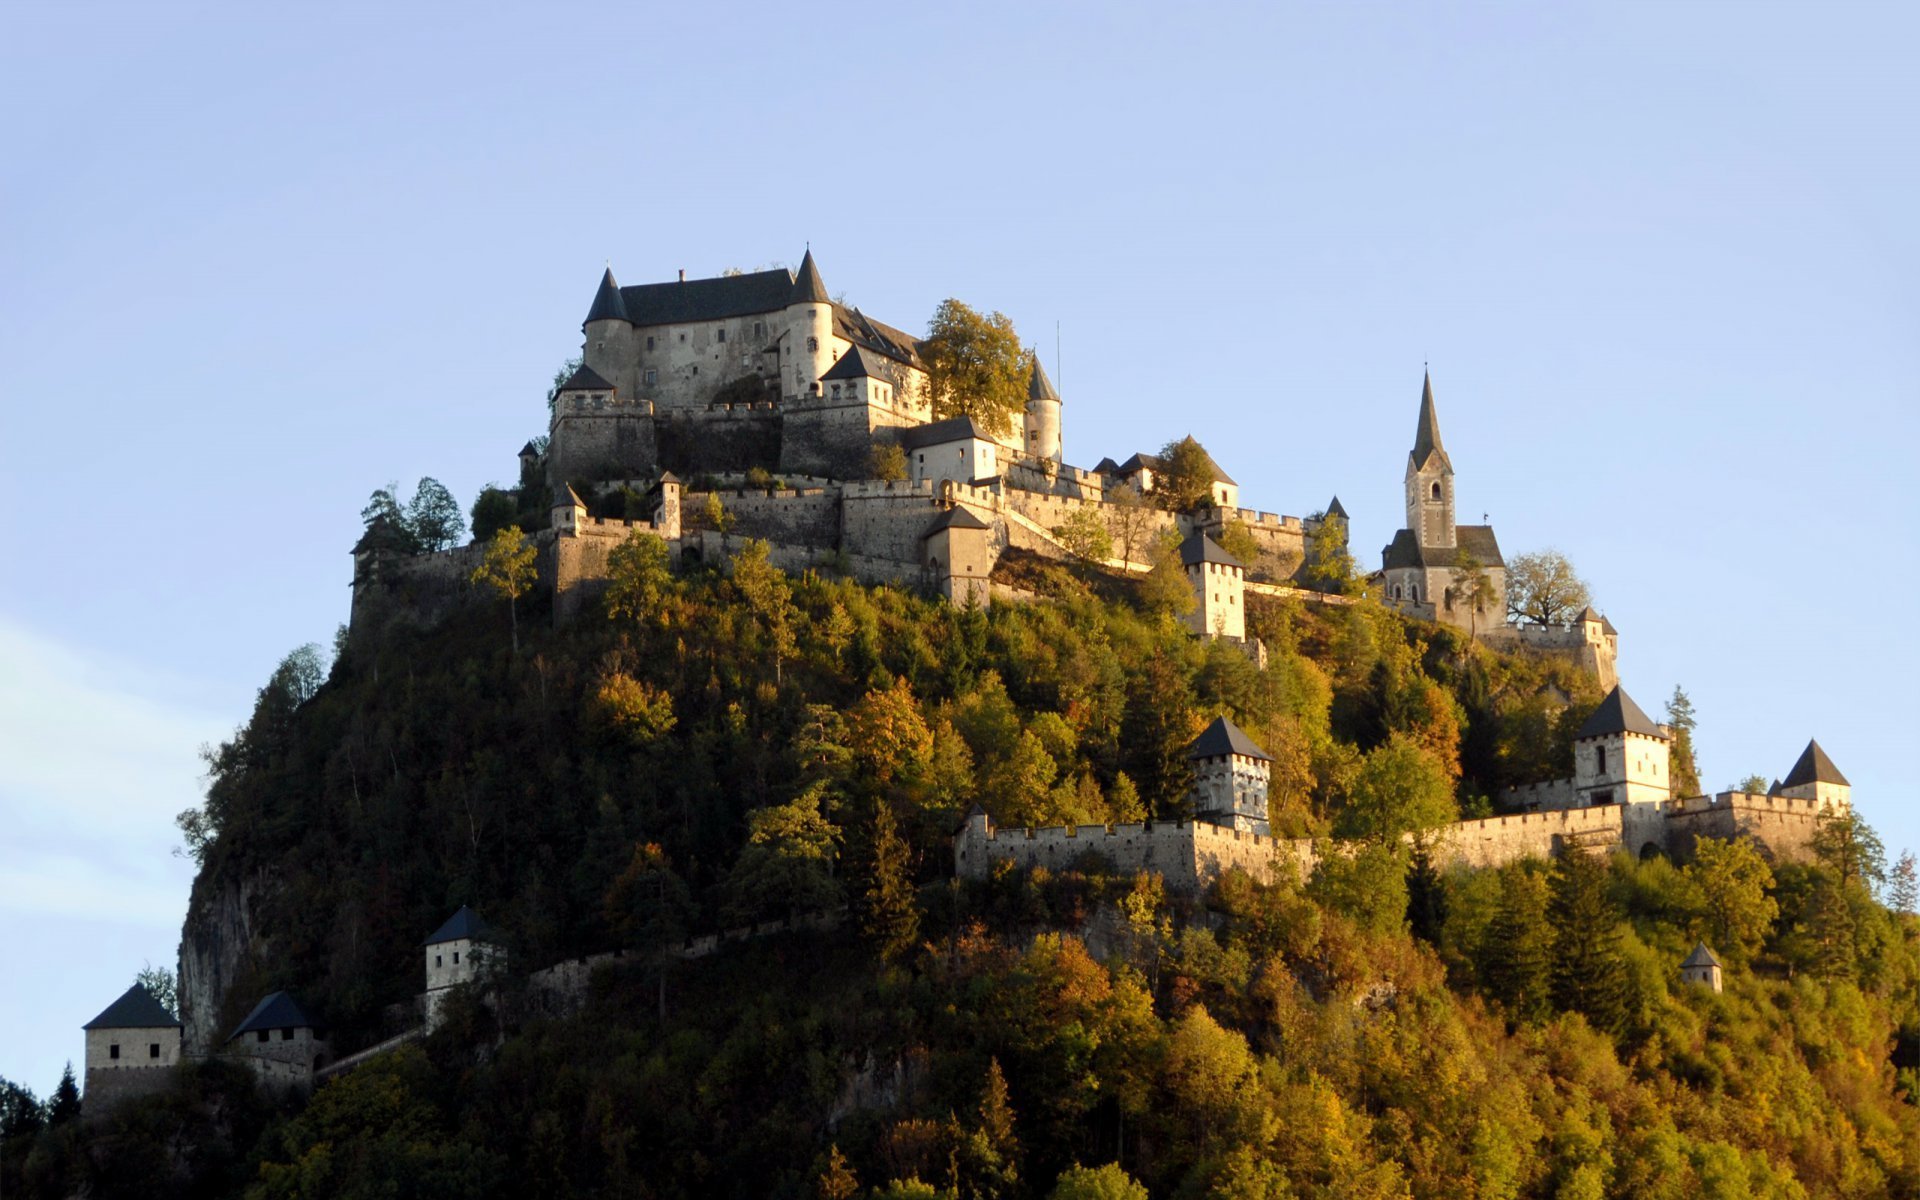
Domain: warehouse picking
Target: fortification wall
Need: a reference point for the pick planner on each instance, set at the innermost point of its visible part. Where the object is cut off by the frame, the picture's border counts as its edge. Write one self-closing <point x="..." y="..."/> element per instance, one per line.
<point x="718" y="549"/>
<point x="836" y="440"/>
<point x="809" y="516"/>
<point x="576" y="568"/>
<point x="1029" y="474"/>
<point x="1495" y="841"/>
<point x="1217" y="849"/>
<point x="608" y="444"/>
<point x="718" y="438"/>
<point x="112" y="1085"/>
<point x="418" y="588"/>
<point x="1538" y="797"/>
<point x="886" y="520"/>
<point x="1783" y="827"/>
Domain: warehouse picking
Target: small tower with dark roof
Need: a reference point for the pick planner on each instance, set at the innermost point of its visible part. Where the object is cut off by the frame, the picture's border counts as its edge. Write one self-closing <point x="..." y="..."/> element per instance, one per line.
<point x="459" y="952"/>
<point x="1230" y="773"/>
<point x="1814" y="777"/>
<point x="1429" y="479"/>
<point x="1701" y="968"/>
<point x="126" y="1043"/>
<point x="809" y="333"/>
<point x="1218" y="580"/>
<point x="957" y="550"/>
<point x="569" y="511"/>
<point x="608" y="348"/>
<point x="1620" y="756"/>
<point x="281" y="1042"/>
<point x="1042" y="424"/>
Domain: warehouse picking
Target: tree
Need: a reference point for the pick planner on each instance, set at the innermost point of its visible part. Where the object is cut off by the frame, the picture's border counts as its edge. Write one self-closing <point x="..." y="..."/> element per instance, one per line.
<point x="1903" y="888"/>
<point x="1401" y="789"/>
<point x="64" y="1104"/>
<point x="434" y="516"/>
<point x="1737" y="908"/>
<point x="787" y="862"/>
<point x="1514" y="956"/>
<point x="1753" y="785"/>
<point x="976" y="367"/>
<point x="1542" y="589"/>
<point x="1128" y="519"/>
<point x="836" y="1180"/>
<point x="1848" y="847"/>
<point x="888" y="910"/>
<point x="507" y="568"/>
<point x="1184" y="479"/>
<point x="989" y="1153"/>
<point x="638" y="577"/>
<point x="1084" y="534"/>
<point x="1589" y="969"/>
<point x="767" y="592"/>
<point x="20" y="1112"/>
<point x="1096" y="1183"/>
<point x="631" y="710"/>
<point x="1685" y="770"/>
<point x="494" y="509"/>
<point x="560" y="377"/>
<point x="1473" y="587"/>
<point x="1165" y="589"/>
<point x="887" y="462"/>
<point x="160" y="984"/>
<point x="1236" y="538"/>
<point x="649" y="906"/>
<point x="1330" y="565"/>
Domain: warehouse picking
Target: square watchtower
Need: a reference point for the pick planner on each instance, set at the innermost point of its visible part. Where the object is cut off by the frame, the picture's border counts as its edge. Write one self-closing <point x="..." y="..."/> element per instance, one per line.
<point x="1230" y="773"/>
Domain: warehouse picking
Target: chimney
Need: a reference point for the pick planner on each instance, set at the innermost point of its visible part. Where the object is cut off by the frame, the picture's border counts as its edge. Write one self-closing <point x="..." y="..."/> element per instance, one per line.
<point x="683" y="274"/>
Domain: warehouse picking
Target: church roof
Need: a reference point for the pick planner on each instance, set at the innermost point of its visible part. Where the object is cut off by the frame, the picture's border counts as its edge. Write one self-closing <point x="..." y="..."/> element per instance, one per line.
<point x="1701" y="957"/>
<point x="608" y="303"/>
<point x="1478" y="540"/>
<point x="857" y="363"/>
<point x="807" y="287"/>
<point x="1222" y="738"/>
<point x="1426" y="436"/>
<point x="464" y="923"/>
<point x="1617" y="714"/>
<point x="1039" y="387"/>
<point x="1814" y="767"/>
<point x="278" y="1011"/>
<point x="953" y="429"/>
<point x="1336" y="509"/>
<point x="586" y="379"/>
<point x="957" y="517"/>
<point x="135" y="1009"/>
<point x="1200" y="548"/>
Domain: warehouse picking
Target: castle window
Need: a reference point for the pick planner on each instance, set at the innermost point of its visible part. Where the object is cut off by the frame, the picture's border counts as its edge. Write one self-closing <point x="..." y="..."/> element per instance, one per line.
<point x="436" y="960"/>
<point x="649" y="343"/>
<point x="836" y="391"/>
<point x="153" y="1049"/>
<point x="813" y="345"/>
<point x="261" y="1035"/>
<point x="720" y="334"/>
<point x="696" y="370"/>
<point x="1436" y="491"/>
<point x="759" y="329"/>
<point x="1600" y="760"/>
<point x="683" y="341"/>
<point x="456" y="958"/>
<point x="113" y="1051"/>
<point x="652" y="377"/>
<point x="286" y="1035"/>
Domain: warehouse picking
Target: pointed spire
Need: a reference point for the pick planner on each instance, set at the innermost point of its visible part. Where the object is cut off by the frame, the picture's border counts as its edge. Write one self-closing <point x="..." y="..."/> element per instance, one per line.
<point x="1426" y="437"/>
<point x="1813" y="766"/>
<point x="807" y="287"/>
<point x="607" y="302"/>
<point x="1039" y="387"/>
<point x="1336" y="509"/>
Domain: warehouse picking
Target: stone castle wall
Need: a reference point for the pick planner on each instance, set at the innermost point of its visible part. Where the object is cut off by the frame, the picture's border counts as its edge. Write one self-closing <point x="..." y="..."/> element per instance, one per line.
<point x="593" y="444"/>
<point x="1782" y="826"/>
<point x="810" y="515"/>
<point x="107" y="1087"/>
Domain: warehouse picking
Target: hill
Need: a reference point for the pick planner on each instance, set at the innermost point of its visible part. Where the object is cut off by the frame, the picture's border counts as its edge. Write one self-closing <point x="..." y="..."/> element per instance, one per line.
<point x="736" y="748"/>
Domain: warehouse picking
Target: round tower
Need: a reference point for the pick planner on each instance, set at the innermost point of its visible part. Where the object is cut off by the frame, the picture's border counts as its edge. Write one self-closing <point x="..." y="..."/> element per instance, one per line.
<point x="1043" y="416"/>
<point x="809" y="333"/>
<point x="608" y="349"/>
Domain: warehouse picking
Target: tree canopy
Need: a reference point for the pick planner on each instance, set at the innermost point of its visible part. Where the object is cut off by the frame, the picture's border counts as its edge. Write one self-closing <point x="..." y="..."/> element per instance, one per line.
<point x="1543" y="589"/>
<point x="976" y="367"/>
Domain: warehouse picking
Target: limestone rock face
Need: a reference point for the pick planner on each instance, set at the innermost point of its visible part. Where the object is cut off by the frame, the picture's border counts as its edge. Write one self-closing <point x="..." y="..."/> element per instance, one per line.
<point x="216" y="942"/>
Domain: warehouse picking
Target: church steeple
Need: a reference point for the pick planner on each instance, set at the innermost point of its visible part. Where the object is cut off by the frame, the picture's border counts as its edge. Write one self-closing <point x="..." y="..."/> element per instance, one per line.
<point x="1426" y="435"/>
<point x="1430" y="480"/>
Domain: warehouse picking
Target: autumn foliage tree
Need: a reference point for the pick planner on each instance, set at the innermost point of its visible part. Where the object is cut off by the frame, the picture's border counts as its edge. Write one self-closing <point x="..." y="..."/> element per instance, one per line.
<point x="976" y="367"/>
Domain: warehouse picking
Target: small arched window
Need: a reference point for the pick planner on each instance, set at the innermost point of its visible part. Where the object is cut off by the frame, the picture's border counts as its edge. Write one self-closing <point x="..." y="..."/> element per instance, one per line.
<point x="1436" y="490"/>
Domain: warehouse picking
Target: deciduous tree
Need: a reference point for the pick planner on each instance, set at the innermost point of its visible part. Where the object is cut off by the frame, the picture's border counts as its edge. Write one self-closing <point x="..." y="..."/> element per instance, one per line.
<point x="787" y="864"/>
<point x="1084" y="534"/>
<point x="976" y="367"/>
<point x="1543" y="589"/>
<point x="767" y="592"/>
<point x="1184" y="479"/>
<point x="638" y="577"/>
<point x="1330" y="566"/>
<point x="1128" y="520"/>
<point x="434" y="516"/>
<point x="1737" y="907"/>
<point x="507" y="568"/>
<point x="494" y="509"/>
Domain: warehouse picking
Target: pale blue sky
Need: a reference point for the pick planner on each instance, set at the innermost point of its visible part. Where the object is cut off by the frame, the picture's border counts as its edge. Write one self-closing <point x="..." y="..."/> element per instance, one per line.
<point x="252" y="265"/>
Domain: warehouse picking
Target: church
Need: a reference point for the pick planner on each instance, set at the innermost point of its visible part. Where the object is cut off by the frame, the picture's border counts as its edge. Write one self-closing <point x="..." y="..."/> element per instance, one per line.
<point x="1436" y="568"/>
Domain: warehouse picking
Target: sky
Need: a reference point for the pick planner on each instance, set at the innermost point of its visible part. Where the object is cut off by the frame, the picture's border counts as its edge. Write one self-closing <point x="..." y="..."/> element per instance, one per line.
<point x="258" y="260"/>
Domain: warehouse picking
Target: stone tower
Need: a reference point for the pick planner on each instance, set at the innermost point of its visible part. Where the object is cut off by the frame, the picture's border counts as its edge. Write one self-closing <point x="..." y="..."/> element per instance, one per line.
<point x="1430" y="481"/>
<point x="1620" y="756"/>
<point x="1814" y="777"/>
<point x="458" y="952"/>
<point x="1043" y="416"/>
<point x="1230" y="774"/>
<point x="1701" y="968"/>
<point x="609" y="346"/>
<point x="128" y="1048"/>
<point x="1218" y="580"/>
<point x="809" y="333"/>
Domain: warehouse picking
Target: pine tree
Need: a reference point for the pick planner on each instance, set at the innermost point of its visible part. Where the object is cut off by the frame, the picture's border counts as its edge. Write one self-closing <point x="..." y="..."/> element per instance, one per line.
<point x="836" y="1180"/>
<point x="1515" y="952"/>
<point x="1903" y="888"/>
<point x="1589" y="971"/>
<point x="889" y="912"/>
<point x="64" y="1105"/>
<point x="1426" y="897"/>
<point x="989" y="1151"/>
<point x="1683" y="772"/>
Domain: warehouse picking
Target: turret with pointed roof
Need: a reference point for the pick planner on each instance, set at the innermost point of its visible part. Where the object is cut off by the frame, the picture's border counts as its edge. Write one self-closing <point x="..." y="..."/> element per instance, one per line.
<point x="1814" y="777"/>
<point x="1219" y="582"/>
<point x="132" y="1035"/>
<point x="608" y="304"/>
<point x="1701" y="968"/>
<point x="1620" y="756"/>
<point x="1230" y="773"/>
<point x="1042" y="419"/>
<point x="807" y="288"/>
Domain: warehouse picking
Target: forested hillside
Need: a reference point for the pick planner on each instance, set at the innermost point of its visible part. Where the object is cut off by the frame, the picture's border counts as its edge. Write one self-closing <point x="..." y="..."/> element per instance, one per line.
<point x="711" y="750"/>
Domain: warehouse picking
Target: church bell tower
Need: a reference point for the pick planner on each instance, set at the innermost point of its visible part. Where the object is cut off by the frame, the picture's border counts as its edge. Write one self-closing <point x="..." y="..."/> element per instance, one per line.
<point x="1430" y="481"/>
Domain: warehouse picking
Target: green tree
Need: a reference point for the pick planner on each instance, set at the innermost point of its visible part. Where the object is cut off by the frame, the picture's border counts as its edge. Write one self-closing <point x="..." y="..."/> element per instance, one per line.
<point x="1514" y="956"/>
<point x="1472" y="587"/>
<point x="649" y="907"/>
<point x="560" y="377"/>
<point x="1330" y="566"/>
<point x="1236" y="538"/>
<point x="887" y="461"/>
<point x="976" y="367"/>
<point x="638" y="577"/>
<point x="1848" y="846"/>
<point x="1738" y="909"/>
<point x="1184" y="479"/>
<point x="767" y="592"/>
<point x="161" y="985"/>
<point x="714" y="514"/>
<point x="507" y="568"/>
<point x="1684" y="771"/>
<point x="386" y="522"/>
<point x="631" y="710"/>
<point x="787" y="864"/>
<point x="887" y="908"/>
<point x="1903" y="884"/>
<point x="1084" y="534"/>
<point x="1543" y="589"/>
<point x="1753" y="785"/>
<point x="1589" y="970"/>
<point x="20" y="1113"/>
<point x="1107" y="1182"/>
<point x="1401" y="789"/>
<point x="434" y="516"/>
<point x="1364" y="882"/>
<point x="1165" y="588"/>
<point x="494" y="509"/>
<point x="989" y="1152"/>
<point x="64" y="1104"/>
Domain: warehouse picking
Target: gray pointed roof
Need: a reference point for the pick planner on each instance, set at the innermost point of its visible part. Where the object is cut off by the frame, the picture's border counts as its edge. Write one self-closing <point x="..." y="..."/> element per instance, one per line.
<point x="807" y="286"/>
<point x="1814" y="766"/>
<point x="857" y="363"/>
<point x="135" y="1009"/>
<point x="1336" y="509"/>
<point x="1701" y="957"/>
<point x="957" y="517"/>
<point x="1617" y="714"/>
<point x="464" y="923"/>
<point x="1200" y="548"/>
<point x="586" y="379"/>
<point x="1039" y="387"/>
<point x="608" y="304"/>
<point x="1222" y="738"/>
<point x="565" y="497"/>
<point x="953" y="429"/>
<point x="1426" y="435"/>
<point x="278" y="1011"/>
<point x="529" y="450"/>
